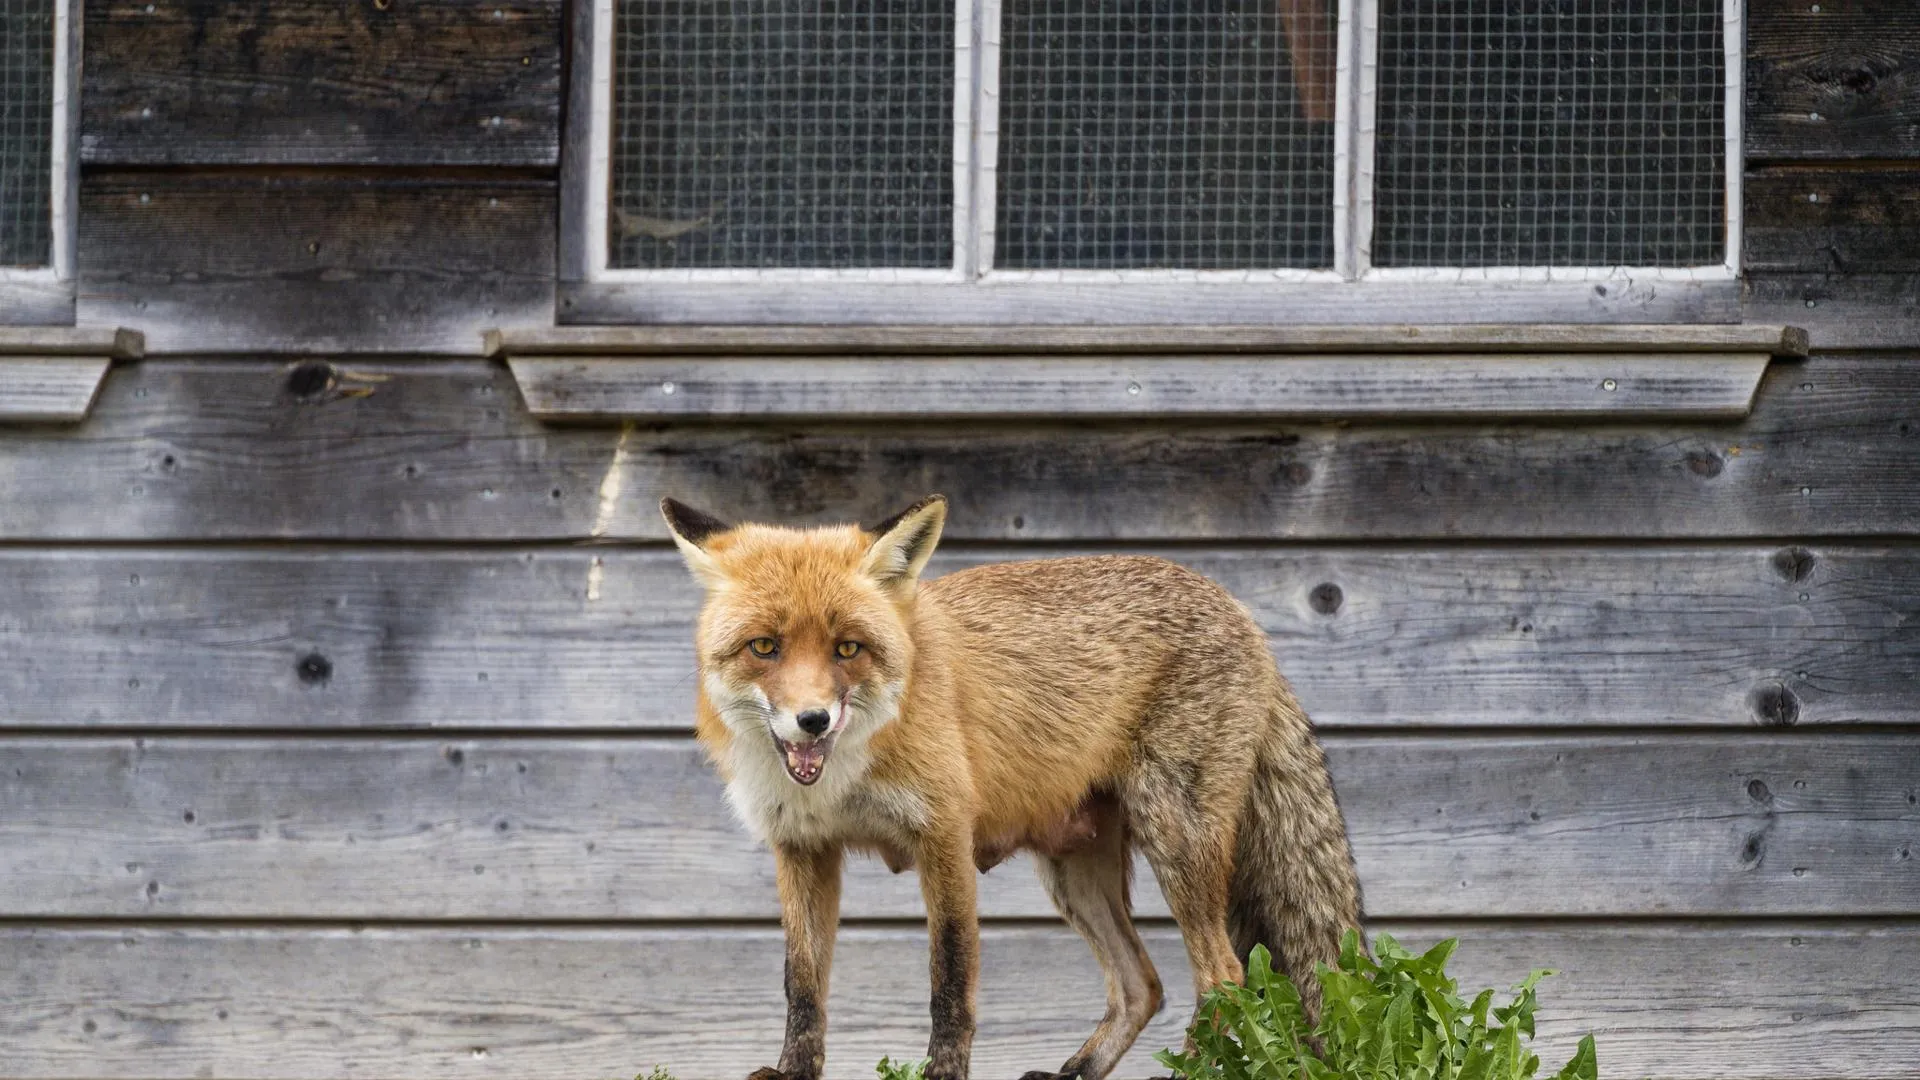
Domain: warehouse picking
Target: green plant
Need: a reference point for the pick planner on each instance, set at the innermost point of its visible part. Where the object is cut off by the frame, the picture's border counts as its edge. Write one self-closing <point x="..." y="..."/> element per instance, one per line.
<point x="1392" y="1016"/>
<point x="888" y="1069"/>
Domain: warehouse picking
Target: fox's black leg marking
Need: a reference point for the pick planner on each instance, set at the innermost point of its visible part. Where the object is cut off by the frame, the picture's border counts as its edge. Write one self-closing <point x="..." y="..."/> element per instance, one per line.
<point x="1042" y="1074"/>
<point x="805" y="1049"/>
<point x="951" y="1047"/>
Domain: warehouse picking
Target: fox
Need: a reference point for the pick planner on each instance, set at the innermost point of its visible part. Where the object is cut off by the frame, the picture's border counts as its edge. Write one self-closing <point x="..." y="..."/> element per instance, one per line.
<point x="1081" y="709"/>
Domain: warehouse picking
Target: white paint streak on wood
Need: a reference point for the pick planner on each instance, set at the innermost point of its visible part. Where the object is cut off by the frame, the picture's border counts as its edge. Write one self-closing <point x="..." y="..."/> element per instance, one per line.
<point x="611" y="483"/>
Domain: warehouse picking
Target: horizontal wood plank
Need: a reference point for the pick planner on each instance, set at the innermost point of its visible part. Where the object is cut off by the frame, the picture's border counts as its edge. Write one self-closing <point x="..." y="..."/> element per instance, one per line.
<point x="1701" y="1001"/>
<point x="1842" y="311"/>
<point x="1332" y="338"/>
<point x="521" y="829"/>
<point x="420" y="82"/>
<point x="1452" y="386"/>
<point x="1832" y="81"/>
<point x="232" y="450"/>
<point x="1317" y="303"/>
<point x="49" y="389"/>
<point x="115" y="342"/>
<point x="217" y="262"/>
<point x="1375" y="638"/>
<point x="36" y="303"/>
<point x="1839" y="221"/>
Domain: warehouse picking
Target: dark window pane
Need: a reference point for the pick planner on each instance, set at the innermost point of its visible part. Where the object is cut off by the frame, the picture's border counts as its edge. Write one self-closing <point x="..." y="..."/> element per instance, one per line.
<point x="1194" y="134"/>
<point x="782" y="133"/>
<point x="26" y="132"/>
<point x="1550" y="133"/>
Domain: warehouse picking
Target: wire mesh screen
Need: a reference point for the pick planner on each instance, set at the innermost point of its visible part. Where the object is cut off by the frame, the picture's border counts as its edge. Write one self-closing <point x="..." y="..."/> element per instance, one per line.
<point x="1550" y="133"/>
<point x="26" y="132"/>
<point x="782" y="134"/>
<point x="1191" y="134"/>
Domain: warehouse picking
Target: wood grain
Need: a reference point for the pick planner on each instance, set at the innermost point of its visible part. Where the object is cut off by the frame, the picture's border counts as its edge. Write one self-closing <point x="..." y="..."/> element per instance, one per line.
<point x="49" y="389"/>
<point x="232" y="450"/>
<point x="1182" y="304"/>
<point x="1709" y="635"/>
<point x="533" y="829"/>
<point x="1822" y="220"/>
<point x="213" y="262"/>
<point x="1842" y="311"/>
<point x="1332" y="338"/>
<point x="418" y="82"/>
<point x="36" y="303"/>
<point x="1712" y="1001"/>
<point x="1832" y="81"/>
<point x="1452" y="386"/>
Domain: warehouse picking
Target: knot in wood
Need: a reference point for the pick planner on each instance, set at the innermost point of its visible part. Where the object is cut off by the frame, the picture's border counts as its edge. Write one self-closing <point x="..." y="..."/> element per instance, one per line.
<point x="1794" y="563"/>
<point x="1325" y="598"/>
<point x="1775" y="705"/>
<point x="313" y="668"/>
<point x="309" y="380"/>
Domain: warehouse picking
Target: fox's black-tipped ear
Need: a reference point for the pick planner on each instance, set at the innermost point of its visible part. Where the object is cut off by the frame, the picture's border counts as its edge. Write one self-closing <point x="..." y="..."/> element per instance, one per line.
<point x="691" y="530"/>
<point x="689" y="524"/>
<point x="905" y="542"/>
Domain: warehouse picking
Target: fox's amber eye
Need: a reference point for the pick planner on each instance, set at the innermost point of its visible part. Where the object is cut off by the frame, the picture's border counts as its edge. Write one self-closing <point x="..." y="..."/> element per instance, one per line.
<point x="763" y="647"/>
<point x="847" y="650"/>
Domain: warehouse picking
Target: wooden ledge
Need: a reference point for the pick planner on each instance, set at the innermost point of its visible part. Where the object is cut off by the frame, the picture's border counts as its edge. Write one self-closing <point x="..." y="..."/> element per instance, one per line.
<point x="51" y="375"/>
<point x="920" y="340"/>
<point x="1396" y="372"/>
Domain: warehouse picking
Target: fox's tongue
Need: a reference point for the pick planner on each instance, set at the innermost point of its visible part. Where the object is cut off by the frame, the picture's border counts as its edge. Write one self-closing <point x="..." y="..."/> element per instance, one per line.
<point x="805" y="760"/>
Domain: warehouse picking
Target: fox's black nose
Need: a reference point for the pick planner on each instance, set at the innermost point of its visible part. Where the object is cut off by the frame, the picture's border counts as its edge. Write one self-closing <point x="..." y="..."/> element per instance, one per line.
<point x="814" y="721"/>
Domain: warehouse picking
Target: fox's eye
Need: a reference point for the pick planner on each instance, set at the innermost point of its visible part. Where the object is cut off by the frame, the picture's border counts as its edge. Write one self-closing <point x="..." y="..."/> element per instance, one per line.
<point x="763" y="647"/>
<point x="847" y="650"/>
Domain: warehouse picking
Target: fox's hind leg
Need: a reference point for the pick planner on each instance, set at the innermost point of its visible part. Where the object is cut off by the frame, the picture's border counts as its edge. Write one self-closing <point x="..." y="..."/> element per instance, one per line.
<point x="1184" y="819"/>
<point x="1089" y="886"/>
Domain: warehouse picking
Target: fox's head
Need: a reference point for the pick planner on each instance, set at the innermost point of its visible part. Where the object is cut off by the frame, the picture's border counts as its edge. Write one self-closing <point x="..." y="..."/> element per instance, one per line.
<point x="803" y="642"/>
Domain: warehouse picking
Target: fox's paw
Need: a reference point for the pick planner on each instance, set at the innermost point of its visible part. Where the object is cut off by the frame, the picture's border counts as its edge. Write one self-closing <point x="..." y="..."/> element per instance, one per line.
<point x="768" y="1074"/>
<point x="1043" y="1074"/>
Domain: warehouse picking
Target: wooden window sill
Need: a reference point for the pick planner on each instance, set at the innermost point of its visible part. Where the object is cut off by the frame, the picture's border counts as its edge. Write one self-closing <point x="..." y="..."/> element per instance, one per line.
<point x="50" y="375"/>
<point x="1300" y="372"/>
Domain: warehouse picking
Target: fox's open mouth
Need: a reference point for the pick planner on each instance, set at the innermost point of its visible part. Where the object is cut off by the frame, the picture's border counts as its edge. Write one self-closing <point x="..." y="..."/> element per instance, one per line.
<point x="805" y="760"/>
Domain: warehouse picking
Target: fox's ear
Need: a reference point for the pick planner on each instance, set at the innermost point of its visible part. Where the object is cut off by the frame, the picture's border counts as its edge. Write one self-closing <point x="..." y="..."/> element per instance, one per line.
<point x="691" y="529"/>
<point x="905" y="542"/>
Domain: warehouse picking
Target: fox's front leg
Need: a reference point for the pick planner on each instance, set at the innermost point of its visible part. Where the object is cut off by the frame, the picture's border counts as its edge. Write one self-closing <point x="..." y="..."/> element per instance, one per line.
<point x="810" y="913"/>
<point x="953" y="931"/>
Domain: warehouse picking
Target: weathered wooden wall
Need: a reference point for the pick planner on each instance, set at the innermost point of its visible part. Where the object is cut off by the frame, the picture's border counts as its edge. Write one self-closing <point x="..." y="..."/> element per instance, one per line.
<point x="343" y="704"/>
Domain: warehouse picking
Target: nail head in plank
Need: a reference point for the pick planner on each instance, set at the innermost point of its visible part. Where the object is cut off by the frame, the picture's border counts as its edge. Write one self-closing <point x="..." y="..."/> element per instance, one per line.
<point x="1304" y="386"/>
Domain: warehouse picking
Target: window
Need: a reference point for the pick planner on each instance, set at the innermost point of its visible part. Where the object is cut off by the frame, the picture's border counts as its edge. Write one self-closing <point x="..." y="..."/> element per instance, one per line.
<point x="35" y="181"/>
<point x="1088" y="160"/>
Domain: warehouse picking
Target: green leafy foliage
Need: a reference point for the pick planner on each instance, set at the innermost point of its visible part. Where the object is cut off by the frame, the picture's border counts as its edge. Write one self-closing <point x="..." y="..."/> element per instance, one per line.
<point x="1391" y="1016"/>
<point x="888" y="1069"/>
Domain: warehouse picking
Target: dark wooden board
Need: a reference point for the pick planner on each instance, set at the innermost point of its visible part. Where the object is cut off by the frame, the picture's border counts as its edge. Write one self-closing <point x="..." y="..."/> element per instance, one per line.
<point x="1710" y="635"/>
<point x="1842" y="311"/>
<point x="1831" y="81"/>
<point x="407" y="82"/>
<point x="1704" y="1001"/>
<point x="314" y="262"/>
<point x="1833" y="221"/>
<point x="1333" y="338"/>
<point x="179" y="450"/>
<point x="520" y="829"/>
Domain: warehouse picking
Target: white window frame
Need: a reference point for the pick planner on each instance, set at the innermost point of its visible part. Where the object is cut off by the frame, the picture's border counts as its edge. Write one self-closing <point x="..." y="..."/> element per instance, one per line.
<point x="44" y="294"/>
<point x="972" y="290"/>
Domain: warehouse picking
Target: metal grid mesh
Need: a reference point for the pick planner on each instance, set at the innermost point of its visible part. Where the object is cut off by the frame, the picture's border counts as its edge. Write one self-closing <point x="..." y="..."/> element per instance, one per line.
<point x="1190" y="134"/>
<point x="26" y="132"/>
<point x="782" y="134"/>
<point x="1550" y="133"/>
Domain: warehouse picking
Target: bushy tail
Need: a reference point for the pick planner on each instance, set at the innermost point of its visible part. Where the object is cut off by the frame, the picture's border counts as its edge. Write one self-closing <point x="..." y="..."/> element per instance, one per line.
<point x="1294" y="886"/>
